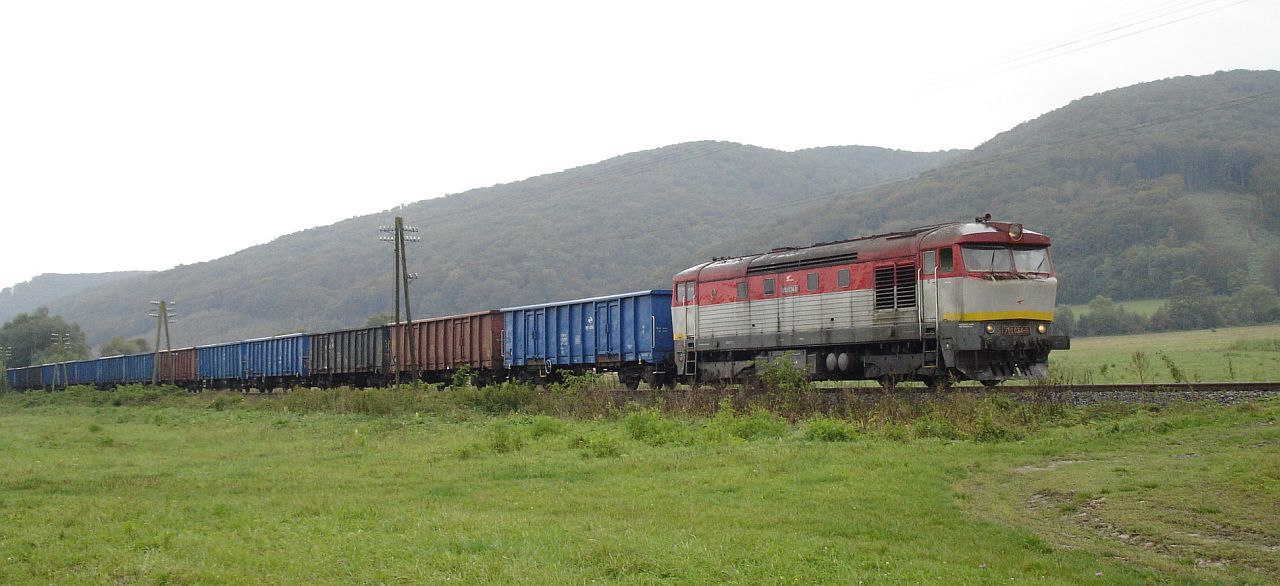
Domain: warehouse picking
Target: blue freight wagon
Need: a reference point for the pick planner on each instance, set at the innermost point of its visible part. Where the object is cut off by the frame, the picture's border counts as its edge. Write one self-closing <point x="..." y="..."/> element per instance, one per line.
<point x="25" y="377"/>
<point x="83" y="372"/>
<point x="628" y="333"/>
<point x="220" y="365"/>
<point x="264" y="362"/>
<point x="276" y="358"/>
<point x="123" y="370"/>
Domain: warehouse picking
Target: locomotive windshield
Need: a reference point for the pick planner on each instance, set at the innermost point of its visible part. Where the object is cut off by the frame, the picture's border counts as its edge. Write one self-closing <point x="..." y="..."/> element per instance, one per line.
<point x="1002" y="259"/>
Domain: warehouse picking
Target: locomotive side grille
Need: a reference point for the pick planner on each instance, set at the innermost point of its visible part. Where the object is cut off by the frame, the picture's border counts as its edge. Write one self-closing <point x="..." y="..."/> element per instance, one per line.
<point x="884" y="288"/>
<point x="896" y="287"/>
<point x="906" y="285"/>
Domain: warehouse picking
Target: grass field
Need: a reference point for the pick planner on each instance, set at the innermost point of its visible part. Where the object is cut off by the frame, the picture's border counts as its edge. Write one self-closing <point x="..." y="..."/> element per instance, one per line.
<point x="216" y="489"/>
<point x="1143" y="307"/>
<point x="1225" y="354"/>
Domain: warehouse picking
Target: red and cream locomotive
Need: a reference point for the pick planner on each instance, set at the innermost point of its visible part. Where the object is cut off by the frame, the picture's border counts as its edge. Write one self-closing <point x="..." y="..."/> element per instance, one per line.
<point x="959" y="301"/>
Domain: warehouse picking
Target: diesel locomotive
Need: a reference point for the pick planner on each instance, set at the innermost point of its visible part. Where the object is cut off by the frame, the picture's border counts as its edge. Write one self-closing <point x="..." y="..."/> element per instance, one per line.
<point x="957" y="301"/>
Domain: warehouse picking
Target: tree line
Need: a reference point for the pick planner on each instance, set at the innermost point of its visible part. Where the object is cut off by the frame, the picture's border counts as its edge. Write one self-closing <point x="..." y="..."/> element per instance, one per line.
<point x="40" y="337"/>
<point x="1192" y="305"/>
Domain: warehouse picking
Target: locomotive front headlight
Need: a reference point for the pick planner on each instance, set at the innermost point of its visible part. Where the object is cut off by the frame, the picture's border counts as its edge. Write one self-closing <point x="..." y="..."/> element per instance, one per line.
<point x="1015" y="231"/>
<point x="991" y="328"/>
<point x="1043" y="328"/>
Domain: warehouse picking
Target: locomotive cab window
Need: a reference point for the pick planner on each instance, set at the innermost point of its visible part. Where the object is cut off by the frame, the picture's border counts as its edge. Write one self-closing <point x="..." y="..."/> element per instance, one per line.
<point x="929" y="262"/>
<point x="742" y="290"/>
<point x="946" y="260"/>
<point x="768" y="286"/>
<point x="812" y="282"/>
<point x="1002" y="259"/>
<point x="680" y="293"/>
<point x="842" y="277"/>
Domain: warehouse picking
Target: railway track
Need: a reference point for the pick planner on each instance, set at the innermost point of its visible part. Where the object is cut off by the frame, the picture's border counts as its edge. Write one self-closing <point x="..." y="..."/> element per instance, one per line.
<point x="1077" y="394"/>
<point x="1219" y="392"/>
<point x="1226" y="393"/>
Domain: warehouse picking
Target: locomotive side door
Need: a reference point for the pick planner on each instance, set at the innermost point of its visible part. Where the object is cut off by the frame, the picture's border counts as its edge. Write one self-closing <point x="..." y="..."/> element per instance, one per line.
<point x="685" y="325"/>
<point x="928" y="287"/>
<point x="790" y="290"/>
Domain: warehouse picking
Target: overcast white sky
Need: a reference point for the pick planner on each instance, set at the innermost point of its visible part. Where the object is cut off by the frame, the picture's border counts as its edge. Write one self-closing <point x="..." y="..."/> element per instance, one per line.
<point x="141" y="135"/>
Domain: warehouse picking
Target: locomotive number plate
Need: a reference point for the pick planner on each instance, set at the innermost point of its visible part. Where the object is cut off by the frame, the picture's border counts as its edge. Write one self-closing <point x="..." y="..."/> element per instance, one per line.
<point x="1017" y="330"/>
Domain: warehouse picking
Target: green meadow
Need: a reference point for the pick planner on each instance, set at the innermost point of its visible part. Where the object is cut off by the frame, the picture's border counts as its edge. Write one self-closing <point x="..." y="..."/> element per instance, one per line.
<point x="510" y="485"/>
<point x="1246" y="354"/>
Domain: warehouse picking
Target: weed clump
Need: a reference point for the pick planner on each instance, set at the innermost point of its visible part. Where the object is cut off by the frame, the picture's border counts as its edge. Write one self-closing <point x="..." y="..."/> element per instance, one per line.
<point x="503" y="438"/>
<point x="541" y="425"/>
<point x="650" y="427"/>
<point x="830" y="430"/>
<point x="597" y="445"/>
<point x="759" y="423"/>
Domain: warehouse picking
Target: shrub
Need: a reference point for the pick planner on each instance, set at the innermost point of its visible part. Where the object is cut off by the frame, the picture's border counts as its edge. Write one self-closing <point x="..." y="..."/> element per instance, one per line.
<point x="650" y="427"/>
<point x="597" y="445"/>
<point x="504" y="438"/>
<point x="830" y="430"/>
<point x="782" y="376"/>
<point x="759" y="424"/>
<point x="935" y="425"/>
<point x="988" y="429"/>
<point x="542" y="425"/>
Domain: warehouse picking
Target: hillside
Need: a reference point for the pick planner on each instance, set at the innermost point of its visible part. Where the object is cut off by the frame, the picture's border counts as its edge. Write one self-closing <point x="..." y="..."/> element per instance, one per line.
<point x="610" y="226"/>
<point x="1138" y="186"/>
<point x="48" y="288"/>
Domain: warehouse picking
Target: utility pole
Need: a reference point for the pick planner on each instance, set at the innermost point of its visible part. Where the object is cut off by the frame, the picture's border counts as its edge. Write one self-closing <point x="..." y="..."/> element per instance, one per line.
<point x="401" y="277"/>
<point x="62" y="349"/>
<point x="6" y="352"/>
<point x="163" y="315"/>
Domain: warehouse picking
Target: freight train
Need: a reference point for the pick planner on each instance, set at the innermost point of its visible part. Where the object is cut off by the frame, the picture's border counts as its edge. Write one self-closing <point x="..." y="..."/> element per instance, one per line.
<point x="937" y="304"/>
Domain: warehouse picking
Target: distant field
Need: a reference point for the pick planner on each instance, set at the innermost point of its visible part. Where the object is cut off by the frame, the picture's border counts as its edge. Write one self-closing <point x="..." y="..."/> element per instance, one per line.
<point x="1225" y="354"/>
<point x="1143" y="307"/>
<point x="215" y="489"/>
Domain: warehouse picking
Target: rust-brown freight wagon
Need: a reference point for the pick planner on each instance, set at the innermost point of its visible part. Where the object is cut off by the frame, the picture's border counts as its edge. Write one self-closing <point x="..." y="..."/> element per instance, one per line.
<point x="178" y="366"/>
<point x="444" y="344"/>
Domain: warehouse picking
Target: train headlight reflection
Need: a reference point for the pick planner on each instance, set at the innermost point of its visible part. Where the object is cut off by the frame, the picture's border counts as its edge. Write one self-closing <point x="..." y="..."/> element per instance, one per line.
<point x="991" y="328"/>
<point x="1043" y="328"/>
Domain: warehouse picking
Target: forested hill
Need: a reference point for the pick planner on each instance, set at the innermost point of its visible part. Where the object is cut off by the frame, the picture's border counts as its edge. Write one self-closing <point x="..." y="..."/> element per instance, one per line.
<point x="601" y="228"/>
<point x="49" y="288"/>
<point x="1139" y="187"/>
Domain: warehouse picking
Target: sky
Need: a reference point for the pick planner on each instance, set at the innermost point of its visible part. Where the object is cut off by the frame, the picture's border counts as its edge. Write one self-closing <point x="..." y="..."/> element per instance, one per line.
<point x="143" y="135"/>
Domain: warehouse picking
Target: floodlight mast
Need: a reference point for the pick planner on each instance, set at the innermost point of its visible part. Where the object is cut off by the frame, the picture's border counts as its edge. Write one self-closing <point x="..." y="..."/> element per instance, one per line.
<point x="401" y="277"/>
<point x="62" y="349"/>
<point x="163" y="315"/>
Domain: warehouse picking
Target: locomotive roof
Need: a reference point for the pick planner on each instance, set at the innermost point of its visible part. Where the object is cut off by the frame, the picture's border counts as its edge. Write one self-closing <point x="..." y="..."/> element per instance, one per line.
<point x="875" y="247"/>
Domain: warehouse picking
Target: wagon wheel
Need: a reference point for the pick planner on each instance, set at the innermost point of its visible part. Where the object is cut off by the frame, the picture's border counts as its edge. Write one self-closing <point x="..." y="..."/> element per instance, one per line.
<point x="630" y="380"/>
<point x="989" y="382"/>
<point x="888" y="381"/>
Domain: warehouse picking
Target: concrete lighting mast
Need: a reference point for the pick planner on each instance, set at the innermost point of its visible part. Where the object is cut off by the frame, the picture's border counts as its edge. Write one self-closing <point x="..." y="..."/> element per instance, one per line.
<point x="163" y="316"/>
<point x="401" y="277"/>
<point x="62" y="353"/>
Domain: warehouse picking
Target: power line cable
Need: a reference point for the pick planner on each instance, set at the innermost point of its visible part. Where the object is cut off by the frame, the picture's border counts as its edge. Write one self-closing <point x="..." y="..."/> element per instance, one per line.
<point x="1091" y="45"/>
<point x="1067" y="39"/>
